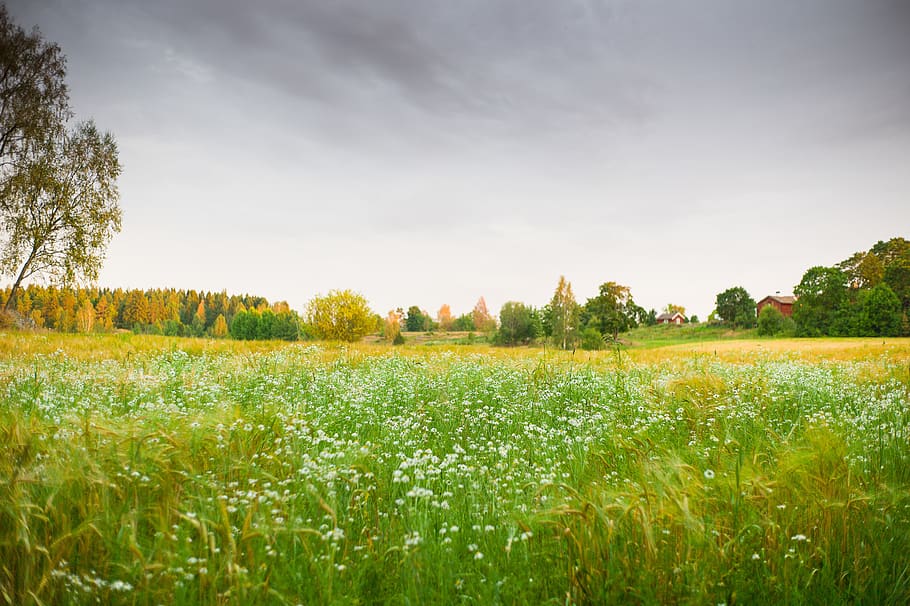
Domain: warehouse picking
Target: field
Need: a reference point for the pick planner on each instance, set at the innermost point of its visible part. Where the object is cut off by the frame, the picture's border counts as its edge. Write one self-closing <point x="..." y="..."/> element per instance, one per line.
<point x="143" y="470"/>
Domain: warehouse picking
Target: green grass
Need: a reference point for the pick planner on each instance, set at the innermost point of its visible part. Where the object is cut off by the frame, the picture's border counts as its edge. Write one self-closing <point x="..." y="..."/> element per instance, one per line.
<point x="319" y="474"/>
<point x="662" y="335"/>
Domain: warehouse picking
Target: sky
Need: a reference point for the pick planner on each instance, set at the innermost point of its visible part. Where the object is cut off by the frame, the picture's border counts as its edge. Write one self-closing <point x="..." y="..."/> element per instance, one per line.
<point x="427" y="152"/>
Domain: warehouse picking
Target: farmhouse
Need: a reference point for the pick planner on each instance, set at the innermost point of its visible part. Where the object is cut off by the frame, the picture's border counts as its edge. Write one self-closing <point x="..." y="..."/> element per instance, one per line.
<point x="783" y="304"/>
<point x="674" y="318"/>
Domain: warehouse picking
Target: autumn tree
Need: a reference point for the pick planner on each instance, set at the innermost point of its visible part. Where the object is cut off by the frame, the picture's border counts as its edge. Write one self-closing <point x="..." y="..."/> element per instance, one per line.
<point x="220" y="327"/>
<point x="483" y="321"/>
<point x="341" y="315"/>
<point x="444" y="318"/>
<point x="85" y="316"/>
<point x="392" y="325"/>
<point x="672" y="309"/>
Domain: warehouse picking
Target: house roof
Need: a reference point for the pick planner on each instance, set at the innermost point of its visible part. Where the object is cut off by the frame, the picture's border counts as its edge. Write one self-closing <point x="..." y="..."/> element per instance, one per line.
<point x="788" y="300"/>
<point x="666" y="316"/>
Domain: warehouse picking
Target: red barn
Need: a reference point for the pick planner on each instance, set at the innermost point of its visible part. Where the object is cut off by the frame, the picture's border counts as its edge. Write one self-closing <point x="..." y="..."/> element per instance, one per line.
<point x="783" y="304"/>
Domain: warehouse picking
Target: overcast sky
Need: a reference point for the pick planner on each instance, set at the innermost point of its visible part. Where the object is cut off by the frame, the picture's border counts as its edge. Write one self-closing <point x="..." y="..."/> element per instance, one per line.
<point x="425" y="152"/>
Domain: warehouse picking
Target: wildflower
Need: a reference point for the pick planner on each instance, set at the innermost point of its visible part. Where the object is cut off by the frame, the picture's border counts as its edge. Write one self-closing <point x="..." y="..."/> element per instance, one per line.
<point x="478" y="556"/>
<point x="798" y="537"/>
<point x="709" y="474"/>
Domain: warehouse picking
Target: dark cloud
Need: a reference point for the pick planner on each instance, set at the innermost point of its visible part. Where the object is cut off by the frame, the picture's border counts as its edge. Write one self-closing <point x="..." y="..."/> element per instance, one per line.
<point x="464" y="117"/>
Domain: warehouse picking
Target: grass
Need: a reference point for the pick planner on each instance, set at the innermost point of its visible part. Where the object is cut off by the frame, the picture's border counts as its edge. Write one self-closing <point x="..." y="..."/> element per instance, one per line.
<point x="147" y="470"/>
<point x="662" y="335"/>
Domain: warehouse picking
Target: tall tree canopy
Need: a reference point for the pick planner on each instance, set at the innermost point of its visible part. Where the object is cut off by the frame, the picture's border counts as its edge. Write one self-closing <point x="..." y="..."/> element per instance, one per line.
<point x="736" y="307"/>
<point x="58" y="193"/>
<point x="612" y="311"/>
<point x="563" y="314"/>
<point x="341" y="315"/>
<point x="34" y="101"/>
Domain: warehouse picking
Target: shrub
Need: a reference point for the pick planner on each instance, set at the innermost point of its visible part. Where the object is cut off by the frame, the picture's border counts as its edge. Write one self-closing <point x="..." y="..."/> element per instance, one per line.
<point x="592" y="340"/>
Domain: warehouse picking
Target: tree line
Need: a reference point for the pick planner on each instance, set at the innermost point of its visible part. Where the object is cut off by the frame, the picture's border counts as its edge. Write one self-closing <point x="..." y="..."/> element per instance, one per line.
<point x="867" y="294"/>
<point x="170" y="312"/>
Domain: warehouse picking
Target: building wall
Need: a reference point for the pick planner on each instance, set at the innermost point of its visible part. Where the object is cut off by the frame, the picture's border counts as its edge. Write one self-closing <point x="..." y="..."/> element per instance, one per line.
<point x="786" y="309"/>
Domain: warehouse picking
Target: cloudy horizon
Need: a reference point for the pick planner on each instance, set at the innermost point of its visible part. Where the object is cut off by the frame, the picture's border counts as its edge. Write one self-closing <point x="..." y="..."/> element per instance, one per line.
<point x="424" y="153"/>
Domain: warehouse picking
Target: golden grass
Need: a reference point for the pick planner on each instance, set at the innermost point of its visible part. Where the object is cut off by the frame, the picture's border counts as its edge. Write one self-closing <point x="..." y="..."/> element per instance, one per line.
<point x="124" y="345"/>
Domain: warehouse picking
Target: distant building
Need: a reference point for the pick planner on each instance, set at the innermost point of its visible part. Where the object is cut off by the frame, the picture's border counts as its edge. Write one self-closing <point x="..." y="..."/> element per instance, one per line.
<point x="783" y="304"/>
<point x="674" y="318"/>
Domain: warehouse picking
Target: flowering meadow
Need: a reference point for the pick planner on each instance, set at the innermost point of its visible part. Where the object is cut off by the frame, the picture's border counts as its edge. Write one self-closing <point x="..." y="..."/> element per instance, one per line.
<point x="165" y="471"/>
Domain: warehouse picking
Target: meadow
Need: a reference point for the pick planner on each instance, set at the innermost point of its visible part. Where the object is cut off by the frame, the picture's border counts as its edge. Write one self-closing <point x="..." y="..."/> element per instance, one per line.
<point x="149" y="470"/>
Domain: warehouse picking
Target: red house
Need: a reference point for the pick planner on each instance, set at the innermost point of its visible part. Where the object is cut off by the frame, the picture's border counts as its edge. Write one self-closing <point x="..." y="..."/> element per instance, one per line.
<point x="674" y="318"/>
<point x="783" y="304"/>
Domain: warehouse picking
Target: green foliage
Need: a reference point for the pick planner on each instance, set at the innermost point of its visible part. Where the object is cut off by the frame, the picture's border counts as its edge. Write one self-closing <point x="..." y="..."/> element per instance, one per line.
<point x="464" y="323"/>
<point x="562" y="315"/>
<point x="611" y="312"/>
<point x="736" y="307"/>
<point x="592" y="340"/>
<point x="878" y="312"/>
<point x="821" y="298"/>
<point x="341" y="315"/>
<point x="772" y="322"/>
<point x="58" y="188"/>
<point x="867" y="294"/>
<point x="417" y="320"/>
<point x="518" y="325"/>
<point x="253" y="325"/>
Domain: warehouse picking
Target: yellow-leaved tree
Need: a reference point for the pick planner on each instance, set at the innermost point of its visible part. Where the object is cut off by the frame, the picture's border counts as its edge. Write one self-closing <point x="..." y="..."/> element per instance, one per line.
<point x="341" y="315"/>
<point x="444" y="318"/>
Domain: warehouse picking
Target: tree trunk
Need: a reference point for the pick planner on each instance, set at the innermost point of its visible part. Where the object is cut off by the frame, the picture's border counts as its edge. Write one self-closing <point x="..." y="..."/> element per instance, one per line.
<point x="12" y="292"/>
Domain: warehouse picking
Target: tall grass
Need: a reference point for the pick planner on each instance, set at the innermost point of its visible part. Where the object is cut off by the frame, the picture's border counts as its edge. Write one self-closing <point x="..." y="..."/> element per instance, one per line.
<point x="319" y="474"/>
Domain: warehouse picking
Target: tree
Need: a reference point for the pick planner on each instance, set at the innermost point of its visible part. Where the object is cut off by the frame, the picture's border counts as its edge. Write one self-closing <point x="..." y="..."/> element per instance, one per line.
<point x="35" y="98"/>
<point x="245" y="325"/>
<point x="286" y="326"/>
<point x="821" y="304"/>
<point x="672" y="309"/>
<point x="563" y="314"/>
<point x="878" y="312"/>
<point x="444" y="318"/>
<point x="736" y="307"/>
<point x="85" y="316"/>
<point x="392" y="325"/>
<point x="592" y="340"/>
<point x="517" y="324"/>
<point x="417" y="320"/>
<point x="220" y="327"/>
<point x="464" y="322"/>
<point x="341" y="315"/>
<point x="59" y="213"/>
<point x="483" y="321"/>
<point x="771" y="321"/>
<point x="612" y="311"/>
<point x="58" y="194"/>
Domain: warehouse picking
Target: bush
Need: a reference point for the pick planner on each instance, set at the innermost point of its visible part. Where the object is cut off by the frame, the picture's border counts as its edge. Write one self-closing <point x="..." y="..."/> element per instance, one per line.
<point x="592" y="340"/>
<point x="770" y="321"/>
